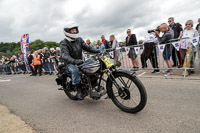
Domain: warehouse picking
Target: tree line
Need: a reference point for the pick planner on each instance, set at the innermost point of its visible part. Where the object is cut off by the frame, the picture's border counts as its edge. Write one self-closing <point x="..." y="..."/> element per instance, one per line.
<point x="12" y="48"/>
<point x="9" y="49"/>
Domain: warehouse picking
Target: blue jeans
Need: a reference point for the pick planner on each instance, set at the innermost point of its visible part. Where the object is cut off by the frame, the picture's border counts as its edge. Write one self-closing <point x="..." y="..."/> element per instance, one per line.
<point x="46" y="67"/>
<point x="76" y="77"/>
<point x="167" y="52"/>
<point x="51" y="68"/>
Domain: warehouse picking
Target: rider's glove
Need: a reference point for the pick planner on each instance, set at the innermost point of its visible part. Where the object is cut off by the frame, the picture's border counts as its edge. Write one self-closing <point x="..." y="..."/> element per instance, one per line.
<point x="78" y="62"/>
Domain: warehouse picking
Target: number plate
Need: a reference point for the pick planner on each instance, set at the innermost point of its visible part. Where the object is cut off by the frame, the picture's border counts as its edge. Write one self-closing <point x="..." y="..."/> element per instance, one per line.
<point x="107" y="61"/>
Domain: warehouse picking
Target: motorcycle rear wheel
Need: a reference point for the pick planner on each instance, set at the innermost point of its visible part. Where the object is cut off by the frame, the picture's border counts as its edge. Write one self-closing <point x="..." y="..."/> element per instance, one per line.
<point x="69" y="90"/>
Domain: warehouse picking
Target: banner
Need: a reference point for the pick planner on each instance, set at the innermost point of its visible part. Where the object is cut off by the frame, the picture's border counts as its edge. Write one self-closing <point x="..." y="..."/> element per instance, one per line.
<point x="25" y="47"/>
<point x="25" y="43"/>
<point x="195" y="41"/>
<point x="111" y="54"/>
<point x="176" y="45"/>
<point x="137" y="49"/>
<point x="127" y="50"/>
<point x="162" y="47"/>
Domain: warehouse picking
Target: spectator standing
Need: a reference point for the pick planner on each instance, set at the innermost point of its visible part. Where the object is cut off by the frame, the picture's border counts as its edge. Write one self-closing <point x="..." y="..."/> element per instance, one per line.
<point x="21" y="63"/>
<point x="100" y="45"/>
<point x="132" y="41"/>
<point x="52" y="60"/>
<point x="198" y="29"/>
<point x="105" y="42"/>
<point x="177" y="28"/>
<point x="30" y="63"/>
<point x="14" y="63"/>
<point x="58" y="55"/>
<point x="7" y="66"/>
<point x="168" y="34"/>
<point x="41" y="56"/>
<point x="150" y="52"/>
<point x="198" y="26"/>
<point x="186" y="46"/>
<point x="88" y="42"/>
<point x="37" y="63"/>
<point x="1" y="67"/>
<point x="114" y="45"/>
<point x="46" y="60"/>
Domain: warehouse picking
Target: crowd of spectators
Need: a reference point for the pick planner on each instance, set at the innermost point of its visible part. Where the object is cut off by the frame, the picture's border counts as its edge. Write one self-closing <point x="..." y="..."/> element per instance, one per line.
<point x="45" y="61"/>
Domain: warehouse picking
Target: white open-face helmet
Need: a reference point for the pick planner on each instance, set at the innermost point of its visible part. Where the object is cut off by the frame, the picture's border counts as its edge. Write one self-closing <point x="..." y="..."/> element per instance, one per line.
<point x="71" y="36"/>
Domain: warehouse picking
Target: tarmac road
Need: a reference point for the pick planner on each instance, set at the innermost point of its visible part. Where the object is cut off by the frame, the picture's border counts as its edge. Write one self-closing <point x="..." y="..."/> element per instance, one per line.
<point x="173" y="106"/>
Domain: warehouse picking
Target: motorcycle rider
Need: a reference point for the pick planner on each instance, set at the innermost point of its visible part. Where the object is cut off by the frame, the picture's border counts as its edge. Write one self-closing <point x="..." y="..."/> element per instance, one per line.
<point x="71" y="52"/>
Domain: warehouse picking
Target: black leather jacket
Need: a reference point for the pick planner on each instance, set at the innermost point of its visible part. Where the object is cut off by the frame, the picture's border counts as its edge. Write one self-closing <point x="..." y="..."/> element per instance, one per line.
<point x="177" y="28"/>
<point x="71" y="51"/>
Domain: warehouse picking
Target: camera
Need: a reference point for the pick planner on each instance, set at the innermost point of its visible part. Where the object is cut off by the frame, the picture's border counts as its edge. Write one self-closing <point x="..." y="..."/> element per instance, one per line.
<point x="157" y="29"/>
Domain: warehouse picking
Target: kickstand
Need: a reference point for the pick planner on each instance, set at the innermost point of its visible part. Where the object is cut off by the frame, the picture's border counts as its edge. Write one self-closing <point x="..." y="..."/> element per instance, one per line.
<point x="60" y="88"/>
<point x="106" y="97"/>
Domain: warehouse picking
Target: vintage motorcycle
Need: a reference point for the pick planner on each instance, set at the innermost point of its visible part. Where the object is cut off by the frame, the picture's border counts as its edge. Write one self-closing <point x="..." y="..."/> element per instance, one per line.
<point x="100" y="76"/>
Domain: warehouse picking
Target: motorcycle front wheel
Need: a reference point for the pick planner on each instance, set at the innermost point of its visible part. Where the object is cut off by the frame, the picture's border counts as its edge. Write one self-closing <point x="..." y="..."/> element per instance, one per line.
<point x="131" y="97"/>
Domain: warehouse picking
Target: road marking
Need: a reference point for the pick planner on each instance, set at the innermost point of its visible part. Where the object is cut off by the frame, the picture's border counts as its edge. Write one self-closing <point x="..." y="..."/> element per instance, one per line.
<point x="15" y="76"/>
<point x="5" y="80"/>
<point x="141" y="74"/>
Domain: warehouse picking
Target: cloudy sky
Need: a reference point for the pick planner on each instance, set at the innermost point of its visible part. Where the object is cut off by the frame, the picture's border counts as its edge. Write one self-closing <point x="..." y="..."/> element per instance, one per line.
<point x="45" y="19"/>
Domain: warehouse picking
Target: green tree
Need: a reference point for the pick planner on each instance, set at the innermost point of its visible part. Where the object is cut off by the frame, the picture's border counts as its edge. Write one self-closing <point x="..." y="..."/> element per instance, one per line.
<point x="12" y="48"/>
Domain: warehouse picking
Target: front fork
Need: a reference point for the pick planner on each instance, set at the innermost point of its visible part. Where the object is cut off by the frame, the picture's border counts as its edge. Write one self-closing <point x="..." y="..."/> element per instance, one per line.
<point x="112" y="78"/>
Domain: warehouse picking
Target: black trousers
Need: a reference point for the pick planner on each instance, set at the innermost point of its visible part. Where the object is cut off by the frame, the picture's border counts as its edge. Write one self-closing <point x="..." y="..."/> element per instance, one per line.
<point x="38" y="67"/>
<point x="153" y="59"/>
<point x="32" y="69"/>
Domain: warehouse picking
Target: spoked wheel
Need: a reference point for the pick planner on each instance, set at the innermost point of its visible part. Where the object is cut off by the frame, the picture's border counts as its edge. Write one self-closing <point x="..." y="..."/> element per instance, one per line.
<point x="70" y="90"/>
<point x="131" y="97"/>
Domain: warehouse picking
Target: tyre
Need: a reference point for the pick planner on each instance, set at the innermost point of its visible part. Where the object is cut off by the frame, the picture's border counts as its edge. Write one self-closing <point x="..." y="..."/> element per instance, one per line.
<point x="131" y="97"/>
<point x="69" y="89"/>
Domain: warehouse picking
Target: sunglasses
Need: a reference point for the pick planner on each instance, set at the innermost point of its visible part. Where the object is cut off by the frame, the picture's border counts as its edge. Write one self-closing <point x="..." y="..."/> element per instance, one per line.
<point x="188" y="24"/>
<point x="169" y="21"/>
<point x="128" y="31"/>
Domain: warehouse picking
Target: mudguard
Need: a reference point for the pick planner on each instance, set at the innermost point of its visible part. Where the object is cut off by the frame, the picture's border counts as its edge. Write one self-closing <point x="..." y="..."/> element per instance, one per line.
<point x="128" y="72"/>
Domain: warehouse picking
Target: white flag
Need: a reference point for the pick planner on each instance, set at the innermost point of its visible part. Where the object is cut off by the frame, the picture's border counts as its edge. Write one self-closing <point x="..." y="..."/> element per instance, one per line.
<point x="111" y="54"/>
<point x="176" y="45"/>
<point x="195" y="41"/>
<point x="162" y="47"/>
<point x="127" y="50"/>
<point x="137" y="49"/>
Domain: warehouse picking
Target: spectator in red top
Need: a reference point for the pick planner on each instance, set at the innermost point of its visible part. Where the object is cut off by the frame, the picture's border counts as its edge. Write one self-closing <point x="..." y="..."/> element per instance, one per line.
<point x="105" y="42"/>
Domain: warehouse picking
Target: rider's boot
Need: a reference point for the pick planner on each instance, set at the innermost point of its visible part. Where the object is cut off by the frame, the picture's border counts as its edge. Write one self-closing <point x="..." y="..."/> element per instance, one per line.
<point x="79" y="92"/>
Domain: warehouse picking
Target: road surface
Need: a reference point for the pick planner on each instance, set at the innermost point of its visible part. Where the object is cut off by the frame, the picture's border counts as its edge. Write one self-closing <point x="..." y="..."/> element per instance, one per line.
<point x="173" y="106"/>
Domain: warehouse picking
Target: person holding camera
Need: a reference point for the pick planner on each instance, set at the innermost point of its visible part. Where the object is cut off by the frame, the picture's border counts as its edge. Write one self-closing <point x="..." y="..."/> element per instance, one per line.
<point x="168" y="34"/>
<point x="150" y="51"/>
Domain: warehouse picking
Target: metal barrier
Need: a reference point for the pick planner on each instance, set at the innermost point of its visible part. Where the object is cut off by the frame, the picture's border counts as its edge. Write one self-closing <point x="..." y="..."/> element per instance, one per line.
<point x="156" y="62"/>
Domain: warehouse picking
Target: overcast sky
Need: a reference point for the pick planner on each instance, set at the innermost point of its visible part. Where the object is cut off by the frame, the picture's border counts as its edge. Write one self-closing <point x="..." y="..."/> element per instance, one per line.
<point x="45" y="19"/>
